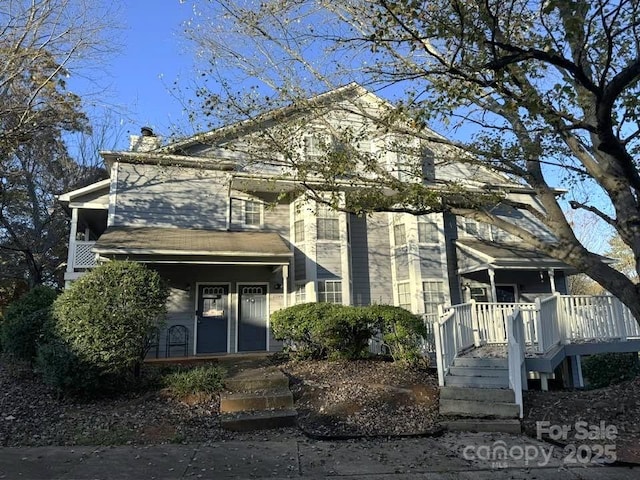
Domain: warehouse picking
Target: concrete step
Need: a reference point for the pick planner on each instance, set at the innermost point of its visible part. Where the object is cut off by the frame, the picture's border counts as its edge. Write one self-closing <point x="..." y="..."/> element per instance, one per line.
<point x="248" y="381"/>
<point x="475" y="362"/>
<point x="264" y="400"/>
<point x="479" y="394"/>
<point x="476" y="382"/>
<point x="470" y="408"/>
<point x="260" y="420"/>
<point x="482" y="425"/>
<point x="479" y="371"/>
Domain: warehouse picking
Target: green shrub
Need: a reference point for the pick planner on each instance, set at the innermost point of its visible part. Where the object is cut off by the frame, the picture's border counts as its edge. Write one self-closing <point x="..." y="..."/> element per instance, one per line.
<point x="402" y="332"/>
<point x="24" y="323"/>
<point x="321" y="330"/>
<point x="107" y="316"/>
<point x="202" y="379"/>
<point x="346" y="332"/>
<point x="298" y="325"/>
<point x="61" y="369"/>
<point x="606" y="369"/>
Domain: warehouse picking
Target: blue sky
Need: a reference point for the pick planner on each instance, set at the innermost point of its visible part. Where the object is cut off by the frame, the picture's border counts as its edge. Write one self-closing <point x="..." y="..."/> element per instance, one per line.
<point x="135" y="83"/>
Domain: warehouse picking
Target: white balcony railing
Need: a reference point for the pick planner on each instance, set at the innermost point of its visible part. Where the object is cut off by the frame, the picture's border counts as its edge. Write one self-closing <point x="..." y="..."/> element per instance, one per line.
<point x="83" y="257"/>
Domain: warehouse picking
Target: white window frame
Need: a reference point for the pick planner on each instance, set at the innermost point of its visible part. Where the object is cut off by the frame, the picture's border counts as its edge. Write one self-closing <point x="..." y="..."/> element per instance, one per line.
<point x="300" y="293"/>
<point x="324" y="214"/>
<point x="440" y="293"/>
<point x="403" y="291"/>
<point x="323" y="292"/>
<point x="435" y="238"/>
<point x="246" y="211"/>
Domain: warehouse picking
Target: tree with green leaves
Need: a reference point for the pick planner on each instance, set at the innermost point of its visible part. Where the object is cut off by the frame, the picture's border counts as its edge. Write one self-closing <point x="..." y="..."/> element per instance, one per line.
<point x="546" y="92"/>
<point x="42" y="43"/>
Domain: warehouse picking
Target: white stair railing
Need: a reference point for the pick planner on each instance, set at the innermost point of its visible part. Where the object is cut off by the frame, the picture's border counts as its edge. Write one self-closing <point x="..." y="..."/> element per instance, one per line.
<point x="515" y="352"/>
<point x="444" y="333"/>
<point x="548" y="323"/>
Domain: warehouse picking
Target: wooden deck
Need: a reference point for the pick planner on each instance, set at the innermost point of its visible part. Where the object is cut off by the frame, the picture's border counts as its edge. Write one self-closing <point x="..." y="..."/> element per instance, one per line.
<point x="535" y="337"/>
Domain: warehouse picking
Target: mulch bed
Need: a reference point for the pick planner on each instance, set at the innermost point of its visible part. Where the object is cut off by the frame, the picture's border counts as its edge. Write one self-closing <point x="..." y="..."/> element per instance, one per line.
<point x="617" y="405"/>
<point x="332" y="398"/>
<point x="363" y="398"/>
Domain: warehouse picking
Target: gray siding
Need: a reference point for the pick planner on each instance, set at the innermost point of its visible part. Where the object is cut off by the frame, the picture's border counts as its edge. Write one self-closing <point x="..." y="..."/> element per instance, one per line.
<point x="402" y="263"/>
<point x="151" y="195"/>
<point x="300" y="264"/>
<point x="360" y="279"/>
<point x="276" y="219"/>
<point x="430" y="262"/>
<point x="329" y="260"/>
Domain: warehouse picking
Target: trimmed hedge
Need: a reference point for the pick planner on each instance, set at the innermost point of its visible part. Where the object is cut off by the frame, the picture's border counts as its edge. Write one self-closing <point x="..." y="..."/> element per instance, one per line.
<point x="325" y="330"/>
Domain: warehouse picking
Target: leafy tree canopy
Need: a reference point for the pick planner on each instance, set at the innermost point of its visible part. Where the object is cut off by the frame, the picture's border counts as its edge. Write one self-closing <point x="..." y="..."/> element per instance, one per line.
<point x="543" y="88"/>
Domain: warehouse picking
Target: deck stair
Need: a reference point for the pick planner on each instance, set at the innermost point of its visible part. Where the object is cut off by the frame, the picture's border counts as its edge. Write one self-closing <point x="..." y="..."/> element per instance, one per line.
<point x="476" y="396"/>
<point x="257" y="399"/>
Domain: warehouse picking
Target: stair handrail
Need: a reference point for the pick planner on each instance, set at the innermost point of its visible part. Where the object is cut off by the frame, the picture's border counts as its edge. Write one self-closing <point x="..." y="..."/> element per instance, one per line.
<point x="444" y="333"/>
<point x="515" y="354"/>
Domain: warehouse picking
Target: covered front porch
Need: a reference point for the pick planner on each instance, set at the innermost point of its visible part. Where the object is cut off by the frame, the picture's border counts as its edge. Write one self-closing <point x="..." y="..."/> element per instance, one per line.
<point x="536" y="337"/>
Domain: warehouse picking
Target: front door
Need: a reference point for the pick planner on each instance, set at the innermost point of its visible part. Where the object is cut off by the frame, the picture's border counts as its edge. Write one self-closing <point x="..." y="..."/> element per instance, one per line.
<point x="212" y="318"/>
<point x="506" y="293"/>
<point x="252" y="321"/>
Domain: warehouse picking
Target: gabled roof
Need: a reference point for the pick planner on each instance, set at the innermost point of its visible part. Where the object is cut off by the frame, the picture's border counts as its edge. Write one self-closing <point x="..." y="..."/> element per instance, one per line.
<point x="90" y="196"/>
<point x="350" y="91"/>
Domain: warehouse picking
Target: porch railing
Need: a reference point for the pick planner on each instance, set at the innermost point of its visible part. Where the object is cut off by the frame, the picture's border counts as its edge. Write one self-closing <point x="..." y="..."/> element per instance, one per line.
<point x="83" y="257"/>
<point x="601" y="317"/>
<point x="515" y="354"/>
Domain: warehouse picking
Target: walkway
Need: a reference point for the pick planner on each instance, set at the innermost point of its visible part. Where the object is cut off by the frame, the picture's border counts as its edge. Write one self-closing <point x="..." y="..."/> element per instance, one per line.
<point x="449" y="457"/>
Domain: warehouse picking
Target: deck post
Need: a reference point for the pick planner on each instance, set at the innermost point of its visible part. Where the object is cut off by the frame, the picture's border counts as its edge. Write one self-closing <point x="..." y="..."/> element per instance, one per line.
<point x="474" y="323"/>
<point x="576" y="370"/>
<point x="544" y="381"/>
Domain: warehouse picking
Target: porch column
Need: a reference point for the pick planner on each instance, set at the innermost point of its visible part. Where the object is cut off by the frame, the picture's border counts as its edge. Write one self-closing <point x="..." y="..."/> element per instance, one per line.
<point x="71" y="253"/>
<point x="552" y="280"/>
<point x="492" y="281"/>
<point x="285" y="286"/>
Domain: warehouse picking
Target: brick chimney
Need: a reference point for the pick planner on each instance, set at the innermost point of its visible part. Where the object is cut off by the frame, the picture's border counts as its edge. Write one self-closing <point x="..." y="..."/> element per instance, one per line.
<point x="145" y="142"/>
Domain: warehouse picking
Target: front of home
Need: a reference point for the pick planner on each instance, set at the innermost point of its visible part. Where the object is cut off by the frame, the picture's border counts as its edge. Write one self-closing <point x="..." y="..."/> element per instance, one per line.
<point x="237" y="242"/>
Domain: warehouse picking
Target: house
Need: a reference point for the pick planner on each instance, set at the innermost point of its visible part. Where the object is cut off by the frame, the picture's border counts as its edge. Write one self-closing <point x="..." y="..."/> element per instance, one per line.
<point x="237" y="238"/>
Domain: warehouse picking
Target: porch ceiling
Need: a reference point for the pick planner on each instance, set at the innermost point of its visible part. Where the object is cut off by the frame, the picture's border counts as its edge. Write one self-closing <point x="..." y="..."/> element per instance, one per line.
<point x="208" y="246"/>
<point x="477" y="255"/>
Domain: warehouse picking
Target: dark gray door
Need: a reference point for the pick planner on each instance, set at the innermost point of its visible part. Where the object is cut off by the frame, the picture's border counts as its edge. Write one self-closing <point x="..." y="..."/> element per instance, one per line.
<point x="213" y="318"/>
<point x="252" y="322"/>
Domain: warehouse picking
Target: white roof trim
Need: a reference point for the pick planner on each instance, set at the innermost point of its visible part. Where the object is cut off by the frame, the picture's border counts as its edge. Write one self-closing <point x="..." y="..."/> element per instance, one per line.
<point x="94" y="187"/>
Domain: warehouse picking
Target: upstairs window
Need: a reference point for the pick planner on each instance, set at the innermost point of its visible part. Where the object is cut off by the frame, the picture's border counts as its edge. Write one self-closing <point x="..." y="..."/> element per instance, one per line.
<point x="328" y="225"/>
<point x="399" y="235"/>
<point x="298" y="225"/>
<point x="252" y="213"/>
<point x="427" y="230"/>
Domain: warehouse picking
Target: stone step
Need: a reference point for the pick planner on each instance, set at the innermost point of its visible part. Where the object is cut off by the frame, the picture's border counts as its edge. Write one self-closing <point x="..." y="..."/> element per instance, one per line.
<point x="250" y="382"/>
<point x="479" y="371"/>
<point x="478" y="394"/>
<point x="260" y="420"/>
<point x="476" y="362"/>
<point x="264" y="400"/>
<point x="476" y="382"/>
<point x="504" y="425"/>
<point x="470" y="408"/>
